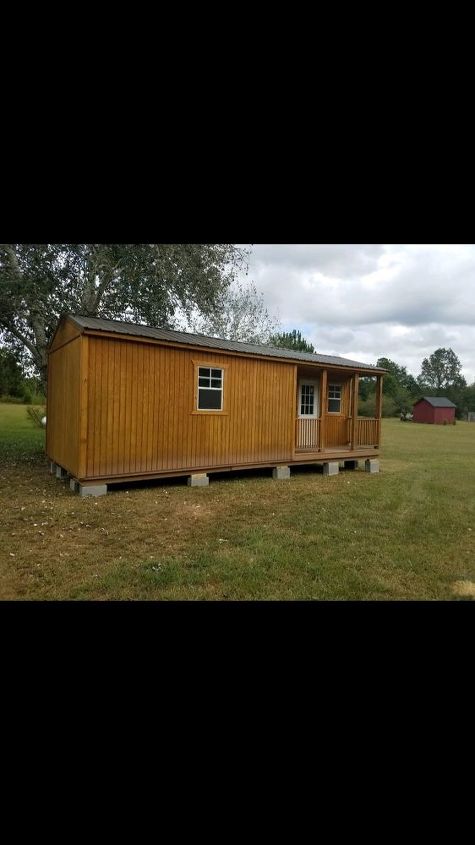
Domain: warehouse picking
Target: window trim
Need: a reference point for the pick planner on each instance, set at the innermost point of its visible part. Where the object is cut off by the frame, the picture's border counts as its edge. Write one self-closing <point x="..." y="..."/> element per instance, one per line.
<point x="316" y="398"/>
<point x="209" y="412"/>
<point x="339" y="386"/>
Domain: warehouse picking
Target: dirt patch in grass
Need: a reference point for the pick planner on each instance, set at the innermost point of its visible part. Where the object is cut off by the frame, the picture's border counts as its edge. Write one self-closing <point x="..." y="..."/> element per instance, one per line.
<point x="464" y="588"/>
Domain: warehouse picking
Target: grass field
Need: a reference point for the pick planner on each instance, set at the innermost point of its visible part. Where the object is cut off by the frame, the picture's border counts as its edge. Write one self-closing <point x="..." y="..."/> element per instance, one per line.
<point x="407" y="533"/>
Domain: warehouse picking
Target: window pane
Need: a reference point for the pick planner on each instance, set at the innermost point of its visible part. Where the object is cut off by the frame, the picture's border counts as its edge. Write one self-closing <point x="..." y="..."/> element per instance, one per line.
<point x="216" y="382"/>
<point x="216" y="373"/>
<point x="204" y="371"/>
<point x="203" y="382"/>
<point x="334" y="405"/>
<point x="307" y="400"/>
<point x="209" y="399"/>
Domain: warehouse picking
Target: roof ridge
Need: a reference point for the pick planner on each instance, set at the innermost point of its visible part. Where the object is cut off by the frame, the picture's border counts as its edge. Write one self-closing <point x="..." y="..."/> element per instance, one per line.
<point x="223" y="343"/>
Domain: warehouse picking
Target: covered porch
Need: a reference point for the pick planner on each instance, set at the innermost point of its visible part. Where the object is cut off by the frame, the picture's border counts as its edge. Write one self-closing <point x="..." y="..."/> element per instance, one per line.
<point x="327" y="424"/>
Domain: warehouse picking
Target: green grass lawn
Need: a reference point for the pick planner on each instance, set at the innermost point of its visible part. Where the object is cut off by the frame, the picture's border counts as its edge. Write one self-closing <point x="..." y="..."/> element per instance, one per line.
<point x="407" y="533"/>
<point x="20" y="440"/>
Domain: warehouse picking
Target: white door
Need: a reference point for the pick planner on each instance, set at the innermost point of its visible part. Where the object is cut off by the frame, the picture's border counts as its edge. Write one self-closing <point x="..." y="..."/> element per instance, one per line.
<point x="307" y="413"/>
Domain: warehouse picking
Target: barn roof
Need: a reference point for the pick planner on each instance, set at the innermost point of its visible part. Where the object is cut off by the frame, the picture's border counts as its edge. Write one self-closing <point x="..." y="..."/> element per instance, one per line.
<point x="437" y="401"/>
<point x="138" y="330"/>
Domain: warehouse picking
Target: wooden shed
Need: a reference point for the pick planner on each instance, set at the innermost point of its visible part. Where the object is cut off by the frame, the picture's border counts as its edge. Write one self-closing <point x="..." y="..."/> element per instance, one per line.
<point x="132" y="402"/>
<point x="434" y="409"/>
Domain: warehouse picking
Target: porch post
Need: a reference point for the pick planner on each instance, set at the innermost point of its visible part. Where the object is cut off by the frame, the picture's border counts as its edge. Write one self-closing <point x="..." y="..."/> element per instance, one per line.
<point x="379" y="405"/>
<point x="354" y="409"/>
<point x="323" y="407"/>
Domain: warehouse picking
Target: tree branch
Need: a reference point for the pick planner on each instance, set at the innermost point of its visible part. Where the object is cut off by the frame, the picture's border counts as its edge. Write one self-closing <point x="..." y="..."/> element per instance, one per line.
<point x="101" y="288"/>
<point x="23" y="339"/>
<point x="37" y="324"/>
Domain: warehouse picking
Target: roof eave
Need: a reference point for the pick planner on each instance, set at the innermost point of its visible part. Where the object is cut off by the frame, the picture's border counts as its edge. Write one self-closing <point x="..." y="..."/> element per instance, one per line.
<point x="222" y="351"/>
<point x="89" y="330"/>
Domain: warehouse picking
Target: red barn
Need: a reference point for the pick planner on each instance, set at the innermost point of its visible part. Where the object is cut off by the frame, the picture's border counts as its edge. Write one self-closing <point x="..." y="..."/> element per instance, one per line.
<point x="434" y="409"/>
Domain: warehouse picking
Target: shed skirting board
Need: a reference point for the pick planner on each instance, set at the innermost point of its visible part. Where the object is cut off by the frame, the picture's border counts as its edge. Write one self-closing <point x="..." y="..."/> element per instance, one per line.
<point x="324" y="457"/>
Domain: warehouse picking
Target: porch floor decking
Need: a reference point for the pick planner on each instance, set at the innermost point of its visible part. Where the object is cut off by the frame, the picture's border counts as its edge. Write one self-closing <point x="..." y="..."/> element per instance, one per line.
<point x="335" y="453"/>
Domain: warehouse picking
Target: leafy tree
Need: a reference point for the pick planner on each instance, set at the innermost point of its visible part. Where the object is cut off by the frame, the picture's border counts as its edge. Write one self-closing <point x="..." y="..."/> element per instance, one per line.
<point x="367" y="407"/>
<point x="291" y="340"/>
<point x="468" y="400"/>
<point x="398" y="384"/>
<point x="366" y="387"/>
<point x="11" y="375"/>
<point x="442" y="370"/>
<point x="441" y="374"/>
<point x="136" y="282"/>
<point x="397" y="379"/>
<point x="400" y="389"/>
<point x="240" y="314"/>
<point x="412" y="387"/>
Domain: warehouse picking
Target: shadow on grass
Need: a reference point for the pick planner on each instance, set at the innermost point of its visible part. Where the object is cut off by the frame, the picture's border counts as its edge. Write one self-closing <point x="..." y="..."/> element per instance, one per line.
<point x="225" y="475"/>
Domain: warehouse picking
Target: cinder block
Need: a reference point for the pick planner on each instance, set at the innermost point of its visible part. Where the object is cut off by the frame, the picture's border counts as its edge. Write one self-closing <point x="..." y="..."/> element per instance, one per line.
<point x="60" y="472"/>
<point x="331" y="468"/>
<point x="92" y="489"/>
<point x="371" y="465"/>
<point x="73" y="485"/>
<point x="280" y="473"/>
<point x="199" y="480"/>
<point x="52" y="468"/>
<point x="351" y="464"/>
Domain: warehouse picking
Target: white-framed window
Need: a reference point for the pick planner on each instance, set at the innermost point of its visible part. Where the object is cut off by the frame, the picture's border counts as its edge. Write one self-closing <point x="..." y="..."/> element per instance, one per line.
<point x="210" y="389"/>
<point x="334" y="398"/>
<point x="307" y="400"/>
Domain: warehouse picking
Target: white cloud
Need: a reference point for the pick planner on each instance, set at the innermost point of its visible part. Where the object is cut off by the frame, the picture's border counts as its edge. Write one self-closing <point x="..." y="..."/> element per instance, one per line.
<point x="365" y="301"/>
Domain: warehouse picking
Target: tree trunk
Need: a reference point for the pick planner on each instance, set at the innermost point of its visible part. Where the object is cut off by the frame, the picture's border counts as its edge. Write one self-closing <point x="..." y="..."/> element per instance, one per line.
<point x="44" y="378"/>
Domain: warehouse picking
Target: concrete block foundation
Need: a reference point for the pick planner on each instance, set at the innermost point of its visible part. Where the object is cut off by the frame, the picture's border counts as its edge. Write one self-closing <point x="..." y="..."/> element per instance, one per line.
<point x="73" y="485"/>
<point x="280" y="473"/>
<point x="201" y="479"/>
<point x="61" y="473"/>
<point x="92" y="489"/>
<point x="371" y="465"/>
<point x="331" y="468"/>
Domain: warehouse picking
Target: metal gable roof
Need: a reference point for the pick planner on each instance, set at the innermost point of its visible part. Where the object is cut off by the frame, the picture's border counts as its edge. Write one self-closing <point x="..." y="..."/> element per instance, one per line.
<point x="138" y="330"/>
<point x="437" y="401"/>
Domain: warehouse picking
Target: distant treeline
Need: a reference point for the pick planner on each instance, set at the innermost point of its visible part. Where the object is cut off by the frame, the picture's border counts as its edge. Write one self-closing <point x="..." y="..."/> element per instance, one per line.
<point x="15" y="386"/>
<point x="441" y="375"/>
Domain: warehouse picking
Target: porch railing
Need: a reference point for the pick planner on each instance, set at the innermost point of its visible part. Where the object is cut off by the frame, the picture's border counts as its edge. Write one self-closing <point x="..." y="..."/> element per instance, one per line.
<point x="307" y="433"/>
<point x="337" y="432"/>
<point x="367" y="431"/>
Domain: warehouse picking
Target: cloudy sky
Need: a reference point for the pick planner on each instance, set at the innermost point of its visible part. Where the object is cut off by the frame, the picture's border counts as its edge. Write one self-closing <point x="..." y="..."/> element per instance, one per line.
<point x="364" y="301"/>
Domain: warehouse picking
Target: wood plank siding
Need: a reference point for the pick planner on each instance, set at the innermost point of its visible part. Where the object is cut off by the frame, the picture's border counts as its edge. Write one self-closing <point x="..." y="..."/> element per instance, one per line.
<point x="66" y="332"/>
<point x="142" y="415"/>
<point x="126" y="406"/>
<point x="336" y="431"/>
<point x="63" y="405"/>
